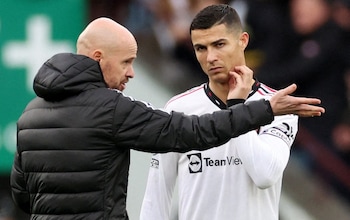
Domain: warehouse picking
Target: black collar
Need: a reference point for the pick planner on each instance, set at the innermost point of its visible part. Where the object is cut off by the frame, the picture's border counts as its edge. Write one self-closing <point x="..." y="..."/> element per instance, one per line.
<point x="218" y="101"/>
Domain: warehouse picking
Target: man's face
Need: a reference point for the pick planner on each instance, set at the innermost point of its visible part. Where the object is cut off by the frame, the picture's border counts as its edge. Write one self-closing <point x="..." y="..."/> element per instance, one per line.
<point x="308" y="16"/>
<point x="116" y="65"/>
<point x="218" y="50"/>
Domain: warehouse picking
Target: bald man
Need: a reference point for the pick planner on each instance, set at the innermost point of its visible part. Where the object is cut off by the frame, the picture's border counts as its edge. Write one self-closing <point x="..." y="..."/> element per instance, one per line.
<point x="113" y="46"/>
<point x="74" y="139"/>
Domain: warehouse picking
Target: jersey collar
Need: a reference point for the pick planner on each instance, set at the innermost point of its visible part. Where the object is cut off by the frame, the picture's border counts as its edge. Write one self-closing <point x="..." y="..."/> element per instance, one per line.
<point x="218" y="101"/>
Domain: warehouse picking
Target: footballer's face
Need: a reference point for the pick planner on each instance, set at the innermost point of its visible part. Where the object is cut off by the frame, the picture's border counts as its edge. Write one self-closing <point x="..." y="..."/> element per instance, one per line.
<point x="218" y="50"/>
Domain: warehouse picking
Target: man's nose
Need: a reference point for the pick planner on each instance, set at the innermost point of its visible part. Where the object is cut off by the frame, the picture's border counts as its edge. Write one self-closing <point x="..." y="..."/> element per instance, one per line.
<point x="131" y="72"/>
<point x="211" y="56"/>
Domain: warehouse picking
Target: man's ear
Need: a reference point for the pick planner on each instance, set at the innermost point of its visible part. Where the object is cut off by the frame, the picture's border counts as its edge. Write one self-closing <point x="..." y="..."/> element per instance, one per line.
<point x="97" y="55"/>
<point x="244" y="39"/>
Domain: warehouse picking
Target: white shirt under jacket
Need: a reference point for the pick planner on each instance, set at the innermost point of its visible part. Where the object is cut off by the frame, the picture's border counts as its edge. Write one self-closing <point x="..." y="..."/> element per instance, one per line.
<point x="240" y="180"/>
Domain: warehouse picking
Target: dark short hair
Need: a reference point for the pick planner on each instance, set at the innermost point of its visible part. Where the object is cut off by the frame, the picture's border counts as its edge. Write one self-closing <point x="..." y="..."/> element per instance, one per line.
<point x="216" y="15"/>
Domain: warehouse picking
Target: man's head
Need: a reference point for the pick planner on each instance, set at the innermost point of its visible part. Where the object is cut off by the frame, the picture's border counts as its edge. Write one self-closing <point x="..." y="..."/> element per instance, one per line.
<point x="308" y="16"/>
<point x="113" y="46"/>
<point x="218" y="40"/>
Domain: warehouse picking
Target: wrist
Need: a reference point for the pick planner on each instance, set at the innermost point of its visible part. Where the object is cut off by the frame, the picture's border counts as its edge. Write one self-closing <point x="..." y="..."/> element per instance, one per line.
<point x="231" y="102"/>
<point x="269" y="108"/>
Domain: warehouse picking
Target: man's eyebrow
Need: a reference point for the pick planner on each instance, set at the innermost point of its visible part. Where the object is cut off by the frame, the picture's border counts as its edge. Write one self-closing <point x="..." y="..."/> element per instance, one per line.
<point x="211" y="43"/>
<point x="218" y="41"/>
<point x="198" y="45"/>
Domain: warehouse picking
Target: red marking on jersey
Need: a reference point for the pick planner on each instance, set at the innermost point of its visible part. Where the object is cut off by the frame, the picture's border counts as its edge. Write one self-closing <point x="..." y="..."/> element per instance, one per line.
<point x="264" y="90"/>
<point x="269" y="88"/>
<point x="184" y="94"/>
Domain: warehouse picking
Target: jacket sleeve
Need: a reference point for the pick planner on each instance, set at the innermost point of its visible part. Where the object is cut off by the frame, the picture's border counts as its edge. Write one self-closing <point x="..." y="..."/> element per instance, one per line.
<point x="18" y="186"/>
<point x="143" y="128"/>
<point x="161" y="182"/>
<point x="265" y="155"/>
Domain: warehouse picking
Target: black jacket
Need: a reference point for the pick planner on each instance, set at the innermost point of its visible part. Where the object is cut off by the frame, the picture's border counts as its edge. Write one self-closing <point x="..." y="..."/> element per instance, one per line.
<point x="74" y="140"/>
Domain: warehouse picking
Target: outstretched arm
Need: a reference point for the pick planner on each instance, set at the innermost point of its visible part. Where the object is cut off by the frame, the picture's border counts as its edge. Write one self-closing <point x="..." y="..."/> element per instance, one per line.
<point x="282" y="103"/>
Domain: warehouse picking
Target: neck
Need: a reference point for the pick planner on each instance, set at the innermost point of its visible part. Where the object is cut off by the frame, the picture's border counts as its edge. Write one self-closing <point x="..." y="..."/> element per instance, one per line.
<point x="221" y="89"/>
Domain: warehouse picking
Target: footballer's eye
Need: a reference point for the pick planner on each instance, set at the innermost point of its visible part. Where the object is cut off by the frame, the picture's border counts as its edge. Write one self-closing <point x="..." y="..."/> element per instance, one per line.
<point x="220" y="44"/>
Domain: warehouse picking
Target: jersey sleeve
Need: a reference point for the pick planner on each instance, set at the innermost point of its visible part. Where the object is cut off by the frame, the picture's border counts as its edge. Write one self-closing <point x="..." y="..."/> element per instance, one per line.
<point x="265" y="154"/>
<point x="160" y="187"/>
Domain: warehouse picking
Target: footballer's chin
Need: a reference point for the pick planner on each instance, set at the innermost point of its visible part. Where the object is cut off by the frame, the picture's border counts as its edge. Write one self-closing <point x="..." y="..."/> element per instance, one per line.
<point x="220" y="77"/>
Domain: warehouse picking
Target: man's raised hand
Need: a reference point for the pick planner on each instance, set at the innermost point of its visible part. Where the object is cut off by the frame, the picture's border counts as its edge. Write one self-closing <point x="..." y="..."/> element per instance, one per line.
<point x="283" y="103"/>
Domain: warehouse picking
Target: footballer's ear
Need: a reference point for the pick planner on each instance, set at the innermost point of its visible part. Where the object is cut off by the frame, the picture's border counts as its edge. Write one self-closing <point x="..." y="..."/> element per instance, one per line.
<point x="244" y="39"/>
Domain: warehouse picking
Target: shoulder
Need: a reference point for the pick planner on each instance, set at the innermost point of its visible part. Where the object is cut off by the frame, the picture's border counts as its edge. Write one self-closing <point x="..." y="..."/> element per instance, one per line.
<point x="187" y="97"/>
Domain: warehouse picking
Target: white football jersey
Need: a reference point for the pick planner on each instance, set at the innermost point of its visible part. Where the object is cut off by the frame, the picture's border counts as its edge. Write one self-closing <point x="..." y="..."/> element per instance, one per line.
<point x="238" y="180"/>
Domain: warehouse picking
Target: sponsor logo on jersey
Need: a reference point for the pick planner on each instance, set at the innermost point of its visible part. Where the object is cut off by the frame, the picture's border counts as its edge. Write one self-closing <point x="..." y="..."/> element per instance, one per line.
<point x="283" y="131"/>
<point x="196" y="162"/>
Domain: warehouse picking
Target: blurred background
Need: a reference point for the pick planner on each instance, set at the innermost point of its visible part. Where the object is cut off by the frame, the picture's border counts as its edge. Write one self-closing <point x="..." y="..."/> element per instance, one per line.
<point x="306" y="42"/>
